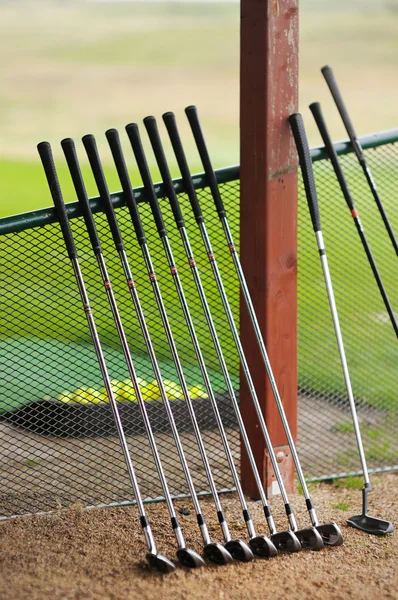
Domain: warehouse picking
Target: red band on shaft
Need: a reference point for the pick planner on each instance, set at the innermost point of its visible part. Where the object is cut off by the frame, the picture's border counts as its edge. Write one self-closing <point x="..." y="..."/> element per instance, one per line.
<point x="354" y="213"/>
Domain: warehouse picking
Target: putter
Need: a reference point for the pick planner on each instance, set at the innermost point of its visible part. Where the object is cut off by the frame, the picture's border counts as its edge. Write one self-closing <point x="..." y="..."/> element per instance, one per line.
<point x="364" y="522"/>
<point x="156" y="560"/>
<point x="186" y="556"/>
<point x="261" y="545"/>
<point x="316" y="110"/>
<point x="330" y="532"/>
<point x="328" y="74"/>
<point x="309" y="537"/>
<point x="283" y="540"/>
<point x="235" y="548"/>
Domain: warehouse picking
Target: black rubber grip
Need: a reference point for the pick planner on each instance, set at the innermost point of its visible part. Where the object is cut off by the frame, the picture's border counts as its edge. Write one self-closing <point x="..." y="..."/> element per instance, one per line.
<point x="136" y="144"/>
<point x="99" y="176"/>
<point x="157" y="146"/>
<point x="171" y="126"/>
<point x="47" y="160"/>
<point x="300" y="137"/>
<point x="68" y="146"/>
<point x="330" y="79"/>
<point x="114" y="143"/>
<point x="193" y="118"/>
<point x="316" y="110"/>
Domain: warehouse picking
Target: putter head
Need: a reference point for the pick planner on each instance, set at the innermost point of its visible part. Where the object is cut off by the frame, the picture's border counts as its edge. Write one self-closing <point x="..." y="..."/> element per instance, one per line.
<point x="160" y="563"/>
<point x="189" y="558"/>
<point x="262" y="546"/>
<point x="239" y="550"/>
<point x="331" y="534"/>
<point x="371" y="525"/>
<point x="217" y="554"/>
<point x="309" y="538"/>
<point x="286" y="541"/>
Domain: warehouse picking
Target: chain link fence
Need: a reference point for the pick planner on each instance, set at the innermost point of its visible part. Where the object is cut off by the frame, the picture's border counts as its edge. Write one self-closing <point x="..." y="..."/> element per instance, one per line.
<point x="57" y="439"/>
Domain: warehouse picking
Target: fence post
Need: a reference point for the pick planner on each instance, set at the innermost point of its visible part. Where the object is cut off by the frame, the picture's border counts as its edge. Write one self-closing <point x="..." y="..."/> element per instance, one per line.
<point x="268" y="217"/>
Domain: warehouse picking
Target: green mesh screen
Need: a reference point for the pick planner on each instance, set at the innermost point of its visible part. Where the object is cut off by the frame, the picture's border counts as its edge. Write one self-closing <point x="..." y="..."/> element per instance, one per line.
<point x="55" y="451"/>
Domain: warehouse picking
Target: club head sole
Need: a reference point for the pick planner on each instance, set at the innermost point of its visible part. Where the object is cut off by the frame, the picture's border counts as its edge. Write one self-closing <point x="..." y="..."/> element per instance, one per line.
<point x="286" y="541"/>
<point x="217" y="553"/>
<point x="239" y="550"/>
<point x="189" y="558"/>
<point x="262" y="546"/>
<point x="309" y="538"/>
<point x="371" y="525"/>
<point x="330" y="534"/>
<point x="160" y="563"/>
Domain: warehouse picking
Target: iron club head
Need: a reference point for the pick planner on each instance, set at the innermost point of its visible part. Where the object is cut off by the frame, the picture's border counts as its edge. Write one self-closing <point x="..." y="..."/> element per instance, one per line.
<point x="217" y="554"/>
<point x="286" y="541"/>
<point x="309" y="538"/>
<point x="261" y="545"/>
<point x="189" y="558"/>
<point x="160" y="563"/>
<point x="331" y="534"/>
<point x="239" y="550"/>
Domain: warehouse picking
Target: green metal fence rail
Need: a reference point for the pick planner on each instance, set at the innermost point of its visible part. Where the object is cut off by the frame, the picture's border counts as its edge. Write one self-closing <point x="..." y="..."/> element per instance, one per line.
<point x="55" y="451"/>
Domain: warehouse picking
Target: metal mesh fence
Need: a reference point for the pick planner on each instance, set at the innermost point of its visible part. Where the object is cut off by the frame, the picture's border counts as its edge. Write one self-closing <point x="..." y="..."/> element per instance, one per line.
<point x="57" y="440"/>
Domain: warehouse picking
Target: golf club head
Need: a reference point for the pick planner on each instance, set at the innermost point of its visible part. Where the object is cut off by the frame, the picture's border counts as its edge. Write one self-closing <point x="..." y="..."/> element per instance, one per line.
<point x="371" y="525"/>
<point x="239" y="550"/>
<point x="331" y="534"/>
<point x="309" y="538"/>
<point x="262" y="546"/>
<point x="217" y="554"/>
<point x="189" y="558"/>
<point x="160" y="563"/>
<point x="286" y="541"/>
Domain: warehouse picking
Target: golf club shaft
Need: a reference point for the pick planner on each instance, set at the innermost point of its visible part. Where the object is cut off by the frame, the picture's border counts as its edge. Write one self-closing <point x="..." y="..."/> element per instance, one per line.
<point x="330" y="79"/>
<point x="133" y="133"/>
<point x="188" y="184"/>
<point x="297" y="125"/>
<point x="114" y="143"/>
<point x="331" y="151"/>
<point x="45" y="152"/>
<point x="73" y="164"/>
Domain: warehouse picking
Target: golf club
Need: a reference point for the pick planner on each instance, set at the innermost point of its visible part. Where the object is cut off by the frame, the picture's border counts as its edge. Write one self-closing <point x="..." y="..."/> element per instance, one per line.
<point x="155" y="559"/>
<point x="236" y="548"/>
<point x="284" y="539"/>
<point x="186" y="556"/>
<point x="316" y="110"/>
<point x="329" y="532"/>
<point x="364" y="522"/>
<point x="328" y="74"/>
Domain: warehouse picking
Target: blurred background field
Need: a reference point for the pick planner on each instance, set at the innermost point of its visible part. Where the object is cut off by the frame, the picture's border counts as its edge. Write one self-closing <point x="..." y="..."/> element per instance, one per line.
<point x="76" y="67"/>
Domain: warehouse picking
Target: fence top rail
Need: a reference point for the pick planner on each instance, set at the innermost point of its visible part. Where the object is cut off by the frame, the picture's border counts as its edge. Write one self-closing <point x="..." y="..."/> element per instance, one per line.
<point x="45" y="216"/>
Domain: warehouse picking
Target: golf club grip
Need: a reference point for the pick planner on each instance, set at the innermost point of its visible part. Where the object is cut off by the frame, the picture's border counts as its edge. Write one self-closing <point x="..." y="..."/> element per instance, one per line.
<point x="136" y="144"/>
<point x="68" y="146"/>
<point x="171" y="126"/>
<point x="300" y="137"/>
<point x="99" y="176"/>
<point x="316" y="110"/>
<point x="114" y="143"/>
<point x="46" y="156"/>
<point x="193" y="118"/>
<point x="328" y="74"/>
<point x="157" y="146"/>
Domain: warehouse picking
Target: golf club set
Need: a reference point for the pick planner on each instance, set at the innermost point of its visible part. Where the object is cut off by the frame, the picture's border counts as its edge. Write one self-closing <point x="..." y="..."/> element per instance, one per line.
<point x="293" y="539"/>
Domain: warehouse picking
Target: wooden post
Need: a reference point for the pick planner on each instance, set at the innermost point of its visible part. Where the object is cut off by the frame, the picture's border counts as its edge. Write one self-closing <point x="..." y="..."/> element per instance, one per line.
<point x="268" y="211"/>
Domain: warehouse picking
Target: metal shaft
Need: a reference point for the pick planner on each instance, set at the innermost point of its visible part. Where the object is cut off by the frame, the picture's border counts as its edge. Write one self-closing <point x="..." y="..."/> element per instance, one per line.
<point x="151" y="352"/>
<point x="123" y="442"/>
<point x="166" y="324"/>
<point x="336" y="324"/>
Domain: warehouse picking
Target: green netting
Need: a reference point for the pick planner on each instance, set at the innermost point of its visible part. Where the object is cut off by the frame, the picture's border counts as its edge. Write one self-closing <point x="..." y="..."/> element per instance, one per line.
<point x="54" y="453"/>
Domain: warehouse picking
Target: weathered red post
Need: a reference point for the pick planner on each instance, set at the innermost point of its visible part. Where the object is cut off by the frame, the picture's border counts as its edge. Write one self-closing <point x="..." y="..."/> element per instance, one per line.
<point x="269" y="94"/>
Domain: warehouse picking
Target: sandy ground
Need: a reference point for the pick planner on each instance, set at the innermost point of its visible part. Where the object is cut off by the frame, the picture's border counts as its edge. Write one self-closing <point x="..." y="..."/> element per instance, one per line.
<point x="75" y="555"/>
